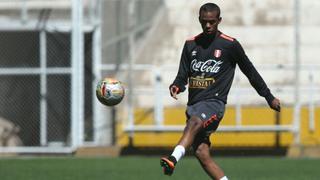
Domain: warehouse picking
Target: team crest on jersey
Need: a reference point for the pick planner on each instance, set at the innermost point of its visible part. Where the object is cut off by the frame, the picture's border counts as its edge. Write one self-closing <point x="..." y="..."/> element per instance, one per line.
<point x="217" y="53"/>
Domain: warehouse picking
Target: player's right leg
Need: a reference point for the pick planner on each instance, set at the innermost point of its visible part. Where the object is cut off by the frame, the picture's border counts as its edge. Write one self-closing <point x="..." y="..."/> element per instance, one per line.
<point x="202" y="117"/>
<point x="194" y="125"/>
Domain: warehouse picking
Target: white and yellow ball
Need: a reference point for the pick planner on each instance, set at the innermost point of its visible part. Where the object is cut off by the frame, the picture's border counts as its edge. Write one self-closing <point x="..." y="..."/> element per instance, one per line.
<point x="110" y="91"/>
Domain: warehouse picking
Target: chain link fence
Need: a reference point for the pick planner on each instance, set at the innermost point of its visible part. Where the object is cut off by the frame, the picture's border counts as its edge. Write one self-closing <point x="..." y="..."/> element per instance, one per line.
<point x="36" y="67"/>
<point x="36" y="71"/>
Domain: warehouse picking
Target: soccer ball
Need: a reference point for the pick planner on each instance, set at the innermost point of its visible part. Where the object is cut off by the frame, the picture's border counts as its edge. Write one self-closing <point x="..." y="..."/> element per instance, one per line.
<point x="109" y="91"/>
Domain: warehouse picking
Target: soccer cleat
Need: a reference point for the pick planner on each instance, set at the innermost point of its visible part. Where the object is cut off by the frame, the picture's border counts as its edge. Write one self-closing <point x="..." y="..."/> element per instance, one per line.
<point x="168" y="165"/>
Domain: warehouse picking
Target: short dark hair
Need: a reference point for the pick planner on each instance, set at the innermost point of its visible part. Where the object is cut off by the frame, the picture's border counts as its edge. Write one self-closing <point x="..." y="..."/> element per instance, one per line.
<point x="208" y="7"/>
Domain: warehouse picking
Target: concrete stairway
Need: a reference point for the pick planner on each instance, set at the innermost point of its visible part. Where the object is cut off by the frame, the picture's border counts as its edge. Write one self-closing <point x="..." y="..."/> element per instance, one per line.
<point x="264" y="28"/>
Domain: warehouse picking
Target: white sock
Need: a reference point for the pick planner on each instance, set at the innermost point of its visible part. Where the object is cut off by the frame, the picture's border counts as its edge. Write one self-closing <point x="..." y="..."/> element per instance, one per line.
<point x="224" y="178"/>
<point x="178" y="152"/>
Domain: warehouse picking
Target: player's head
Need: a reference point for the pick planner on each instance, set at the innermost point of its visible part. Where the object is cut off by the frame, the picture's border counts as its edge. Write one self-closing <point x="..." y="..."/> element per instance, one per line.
<point x="209" y="18"/>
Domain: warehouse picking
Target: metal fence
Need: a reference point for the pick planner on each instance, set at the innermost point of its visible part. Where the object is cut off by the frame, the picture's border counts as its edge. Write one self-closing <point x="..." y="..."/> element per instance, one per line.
<point x="38" y="74"/>
<point x="52" y="54"/>
<point x="51" y="58"/>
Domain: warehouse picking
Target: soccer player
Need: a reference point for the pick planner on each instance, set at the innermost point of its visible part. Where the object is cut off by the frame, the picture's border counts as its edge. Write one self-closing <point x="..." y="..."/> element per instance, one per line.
<point x="207" y="65"/>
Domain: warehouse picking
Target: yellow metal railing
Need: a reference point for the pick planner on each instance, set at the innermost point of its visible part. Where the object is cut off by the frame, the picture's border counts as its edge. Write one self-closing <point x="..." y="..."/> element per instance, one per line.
<point x="250" y="116"/>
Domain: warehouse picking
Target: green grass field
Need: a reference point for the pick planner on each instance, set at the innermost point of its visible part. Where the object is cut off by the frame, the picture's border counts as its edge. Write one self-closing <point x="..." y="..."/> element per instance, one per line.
<point x="141" y="168"/>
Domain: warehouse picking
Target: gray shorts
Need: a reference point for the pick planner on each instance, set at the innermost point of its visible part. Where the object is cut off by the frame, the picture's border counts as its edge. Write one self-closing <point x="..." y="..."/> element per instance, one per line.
<point x="211" y="112"/>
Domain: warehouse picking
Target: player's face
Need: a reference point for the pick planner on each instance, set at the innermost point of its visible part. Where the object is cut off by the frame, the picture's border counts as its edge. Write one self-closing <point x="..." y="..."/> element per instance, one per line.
<point x="209" y="21"/>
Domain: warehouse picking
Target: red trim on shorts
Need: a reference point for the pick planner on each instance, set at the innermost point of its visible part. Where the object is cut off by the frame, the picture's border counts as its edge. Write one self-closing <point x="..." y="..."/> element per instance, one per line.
<point x="209" y="121"/>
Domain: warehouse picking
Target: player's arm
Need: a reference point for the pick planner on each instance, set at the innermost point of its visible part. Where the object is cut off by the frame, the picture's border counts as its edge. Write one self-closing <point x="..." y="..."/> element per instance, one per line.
<point x="181" y="79"/>
<point x="254" y="77"/>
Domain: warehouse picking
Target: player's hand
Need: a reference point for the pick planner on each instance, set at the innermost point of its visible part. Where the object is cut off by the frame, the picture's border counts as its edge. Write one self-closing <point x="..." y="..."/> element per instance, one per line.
<point x="174" y="90"/>
<point x="275" y="104"/>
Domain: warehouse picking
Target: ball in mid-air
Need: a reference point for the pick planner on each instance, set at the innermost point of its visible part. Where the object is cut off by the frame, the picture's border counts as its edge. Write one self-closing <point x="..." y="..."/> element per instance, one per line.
<point x="110" y="91"/>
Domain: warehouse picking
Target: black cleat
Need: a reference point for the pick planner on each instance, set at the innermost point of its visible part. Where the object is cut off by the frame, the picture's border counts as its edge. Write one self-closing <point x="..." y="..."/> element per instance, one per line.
<point x="168" y="165"/>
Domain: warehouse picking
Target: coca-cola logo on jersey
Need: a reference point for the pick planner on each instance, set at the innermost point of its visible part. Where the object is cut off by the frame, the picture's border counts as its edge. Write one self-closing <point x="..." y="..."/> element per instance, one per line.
<point x="210" y="65"/>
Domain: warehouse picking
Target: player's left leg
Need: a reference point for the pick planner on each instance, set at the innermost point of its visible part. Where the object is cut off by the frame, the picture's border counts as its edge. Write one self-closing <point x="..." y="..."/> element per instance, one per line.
<point x="201" y="144"/>
<point x="202" y="152"/>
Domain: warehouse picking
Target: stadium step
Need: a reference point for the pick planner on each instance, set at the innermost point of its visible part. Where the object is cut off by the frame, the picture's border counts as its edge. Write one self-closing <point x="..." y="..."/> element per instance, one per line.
<point x="299" y="151"/>
<point x="111" y="151"/>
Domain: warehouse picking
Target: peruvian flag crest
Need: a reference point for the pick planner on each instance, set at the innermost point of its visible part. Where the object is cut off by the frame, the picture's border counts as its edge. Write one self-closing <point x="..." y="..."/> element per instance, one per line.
<point x="217" y="53"/>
